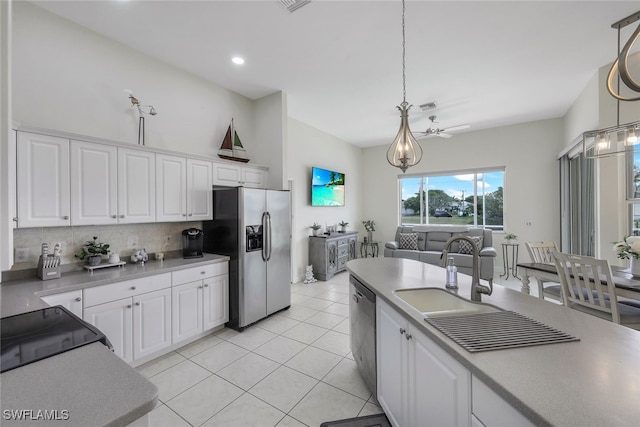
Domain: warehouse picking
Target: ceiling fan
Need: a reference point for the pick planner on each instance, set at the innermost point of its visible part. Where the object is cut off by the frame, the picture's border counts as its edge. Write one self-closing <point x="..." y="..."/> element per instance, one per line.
<point x="436" y="131"/>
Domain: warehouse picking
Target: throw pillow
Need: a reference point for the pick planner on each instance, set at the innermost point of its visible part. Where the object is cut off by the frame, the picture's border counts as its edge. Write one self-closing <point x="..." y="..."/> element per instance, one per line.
<point x="409" y="241"/>
<point x="466" y="248"/>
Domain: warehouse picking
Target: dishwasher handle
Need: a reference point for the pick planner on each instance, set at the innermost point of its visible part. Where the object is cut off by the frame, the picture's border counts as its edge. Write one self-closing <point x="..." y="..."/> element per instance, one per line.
<point x="361" y="290"/>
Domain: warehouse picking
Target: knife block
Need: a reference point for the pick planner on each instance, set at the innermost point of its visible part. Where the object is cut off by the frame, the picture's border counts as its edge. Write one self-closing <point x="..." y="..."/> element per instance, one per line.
<point x="48" y="267"/>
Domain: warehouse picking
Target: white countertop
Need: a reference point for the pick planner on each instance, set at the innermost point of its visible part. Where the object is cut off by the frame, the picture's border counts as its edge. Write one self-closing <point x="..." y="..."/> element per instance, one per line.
<point x="592" y="382"/>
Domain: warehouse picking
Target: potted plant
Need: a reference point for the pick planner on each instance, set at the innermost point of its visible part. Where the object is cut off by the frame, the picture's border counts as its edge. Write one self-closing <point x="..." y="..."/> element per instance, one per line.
<point x="343" y="226"/>
<point x="629" y="248"/>
<point x="316" y="228"/>
<point x="510" y="238"/>
<point x="93" y="251"/>
<point x="370" y="226"/>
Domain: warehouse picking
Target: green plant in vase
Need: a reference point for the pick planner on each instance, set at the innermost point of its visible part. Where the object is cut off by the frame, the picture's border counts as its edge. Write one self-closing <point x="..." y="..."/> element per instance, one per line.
<point x="370" y="226"/>
<point x="316" y="228"/>
<point x="343" y="225"/>
<point x="510" y="237"/>
<point x="93" y="251"/>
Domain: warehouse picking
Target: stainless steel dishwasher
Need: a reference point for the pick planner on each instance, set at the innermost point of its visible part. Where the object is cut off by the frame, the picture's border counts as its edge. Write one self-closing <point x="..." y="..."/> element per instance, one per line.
<point x="362" y="312"/>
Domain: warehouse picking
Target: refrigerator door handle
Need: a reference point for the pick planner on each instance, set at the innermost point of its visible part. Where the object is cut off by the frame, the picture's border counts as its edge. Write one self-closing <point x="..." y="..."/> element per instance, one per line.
<point x="264" y="237"/>
<point x="268" y="236"/>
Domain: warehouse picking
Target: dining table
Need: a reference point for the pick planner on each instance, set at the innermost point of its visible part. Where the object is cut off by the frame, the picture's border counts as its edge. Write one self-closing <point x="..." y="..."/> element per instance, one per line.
<point x="626" y="285"/>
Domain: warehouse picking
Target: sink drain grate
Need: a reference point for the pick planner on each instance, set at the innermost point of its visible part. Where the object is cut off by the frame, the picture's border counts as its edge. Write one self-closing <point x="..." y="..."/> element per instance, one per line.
<point x="496" y="331"/>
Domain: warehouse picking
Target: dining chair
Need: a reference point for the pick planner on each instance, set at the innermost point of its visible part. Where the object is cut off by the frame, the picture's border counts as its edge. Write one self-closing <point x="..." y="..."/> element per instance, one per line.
<point x="588" y="286"/>
<point x="542" y="252"/>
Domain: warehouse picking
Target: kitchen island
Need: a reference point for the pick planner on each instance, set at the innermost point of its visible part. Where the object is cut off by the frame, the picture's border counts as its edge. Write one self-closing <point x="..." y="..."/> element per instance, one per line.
<point x="591" y="382"/>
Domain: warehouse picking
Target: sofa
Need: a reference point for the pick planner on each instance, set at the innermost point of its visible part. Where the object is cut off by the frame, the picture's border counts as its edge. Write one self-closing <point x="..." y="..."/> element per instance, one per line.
<point x="426" y="242"/>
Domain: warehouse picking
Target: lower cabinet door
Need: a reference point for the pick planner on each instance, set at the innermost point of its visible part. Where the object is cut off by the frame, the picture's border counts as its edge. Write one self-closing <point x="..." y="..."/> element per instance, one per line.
<point x="440" y="386"/>
<point x="115" y="320"/>
<point x="69" y="300"/>
<point x="151" y="322"/>
<point x="392" y="364"/>
<point x="186" y="310"/>
<point x="216" y="301"/>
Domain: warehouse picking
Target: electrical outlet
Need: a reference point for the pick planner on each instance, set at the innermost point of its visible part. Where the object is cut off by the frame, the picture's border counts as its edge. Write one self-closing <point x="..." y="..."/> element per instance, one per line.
<point x="528" y="223"/>
<point x="132" y="241"/>
<point x="167" y="240"/>
<point x="21" y="255"/>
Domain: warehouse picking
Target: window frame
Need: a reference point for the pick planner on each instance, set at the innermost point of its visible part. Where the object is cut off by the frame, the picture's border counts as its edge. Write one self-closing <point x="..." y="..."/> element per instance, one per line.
<point x="422" y="192"/>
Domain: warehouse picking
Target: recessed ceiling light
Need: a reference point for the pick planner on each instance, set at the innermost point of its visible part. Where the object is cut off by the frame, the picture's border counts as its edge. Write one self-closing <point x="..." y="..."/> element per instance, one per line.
<point x="237" y="60"/>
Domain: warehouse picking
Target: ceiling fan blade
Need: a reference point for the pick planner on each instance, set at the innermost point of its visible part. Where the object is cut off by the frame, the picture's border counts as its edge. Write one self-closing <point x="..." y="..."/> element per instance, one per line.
<point x="457" y="128"/>
<point x="444" y="135"/>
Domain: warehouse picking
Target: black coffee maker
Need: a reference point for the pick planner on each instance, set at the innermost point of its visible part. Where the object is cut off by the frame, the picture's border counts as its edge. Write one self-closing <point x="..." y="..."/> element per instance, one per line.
<point x="192" y="241"/>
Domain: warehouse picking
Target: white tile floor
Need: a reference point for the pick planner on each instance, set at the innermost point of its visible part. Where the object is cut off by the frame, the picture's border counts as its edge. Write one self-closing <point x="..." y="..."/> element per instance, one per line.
<point x="292" y="369"/>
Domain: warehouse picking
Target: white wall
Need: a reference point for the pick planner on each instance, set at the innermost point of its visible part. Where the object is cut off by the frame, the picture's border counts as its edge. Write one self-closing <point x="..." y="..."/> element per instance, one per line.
<point x="311" y="147"/>
<point x="527" y="151"/>
<point x="71" y="79"/>
<point x="271" y="141"/>
<point x="584" y="114"/>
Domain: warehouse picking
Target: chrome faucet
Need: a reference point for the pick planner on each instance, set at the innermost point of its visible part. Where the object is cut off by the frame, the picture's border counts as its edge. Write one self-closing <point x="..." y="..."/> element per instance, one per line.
<point x="476" y="288"/>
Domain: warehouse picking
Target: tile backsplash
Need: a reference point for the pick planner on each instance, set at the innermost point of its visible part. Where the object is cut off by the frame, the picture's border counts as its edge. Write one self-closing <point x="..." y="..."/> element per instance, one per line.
<point x="123" y="239"/>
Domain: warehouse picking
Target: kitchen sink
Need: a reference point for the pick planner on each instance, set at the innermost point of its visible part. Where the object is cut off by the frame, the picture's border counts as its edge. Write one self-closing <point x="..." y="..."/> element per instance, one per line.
<point x="435" y="302"/>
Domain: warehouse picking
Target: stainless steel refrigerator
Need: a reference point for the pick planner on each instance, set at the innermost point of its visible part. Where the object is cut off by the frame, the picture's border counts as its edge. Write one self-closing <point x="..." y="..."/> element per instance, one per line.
<point x="253" y="227"/>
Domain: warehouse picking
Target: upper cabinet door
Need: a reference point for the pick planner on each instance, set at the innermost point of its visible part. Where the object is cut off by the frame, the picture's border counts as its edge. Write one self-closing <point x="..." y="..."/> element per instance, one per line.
<point x="171" y="187"/>
<point x="136" y="186"/>
<point x="42" y="180"/>
<point x="229" y="175"/>
<point x="94" y="183"/>
<point x="199" y="190"/>
<point x="254" y="178"/>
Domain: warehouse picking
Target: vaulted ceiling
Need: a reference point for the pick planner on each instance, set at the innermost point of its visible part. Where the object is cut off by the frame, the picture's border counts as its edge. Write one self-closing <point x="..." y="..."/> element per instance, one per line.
<point x="484" y="63"/>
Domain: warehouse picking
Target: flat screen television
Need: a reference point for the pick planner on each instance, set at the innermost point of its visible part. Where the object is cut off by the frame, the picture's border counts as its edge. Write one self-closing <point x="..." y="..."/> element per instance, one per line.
<point x="327" y="187"/>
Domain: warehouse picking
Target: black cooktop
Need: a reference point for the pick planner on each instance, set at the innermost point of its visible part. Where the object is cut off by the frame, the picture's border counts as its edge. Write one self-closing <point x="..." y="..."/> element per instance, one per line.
<point x="28" y="337"/>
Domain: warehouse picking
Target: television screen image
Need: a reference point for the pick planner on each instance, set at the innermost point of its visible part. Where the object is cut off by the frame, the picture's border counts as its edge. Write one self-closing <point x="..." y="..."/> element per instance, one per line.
<point x="327" y="187"/>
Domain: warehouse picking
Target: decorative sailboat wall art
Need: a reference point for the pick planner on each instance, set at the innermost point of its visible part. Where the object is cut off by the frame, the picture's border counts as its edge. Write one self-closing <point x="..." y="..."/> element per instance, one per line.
<point x="231" y="148"/>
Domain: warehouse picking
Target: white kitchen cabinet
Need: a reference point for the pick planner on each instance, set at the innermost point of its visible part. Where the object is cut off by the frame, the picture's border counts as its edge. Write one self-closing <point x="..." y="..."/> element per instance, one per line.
<point x="171" y="188"/>
<point x="490" y="410"/>
<point x="187" y="309"/>
<point x="183" y="189"/>
<point x="72" y="301"/>
<point x="135" y="315"/>
<point x="115" y="320"/>
<point x="151" y="322"/>
<point x="199" y="190"/>
<point x="215" y="301"/>
<point x="418" y="383"/>
<point x="200" y="299"/>
<point x="43" y="194"/>
<point x="236" y="175"/>
<point x="94" y="183"/>
<point x="136" y="186"/>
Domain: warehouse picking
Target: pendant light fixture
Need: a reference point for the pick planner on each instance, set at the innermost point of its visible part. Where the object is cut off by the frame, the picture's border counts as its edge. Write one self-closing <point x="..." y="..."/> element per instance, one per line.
<point x="405" y="151"/>
<point x="623" y="138"/>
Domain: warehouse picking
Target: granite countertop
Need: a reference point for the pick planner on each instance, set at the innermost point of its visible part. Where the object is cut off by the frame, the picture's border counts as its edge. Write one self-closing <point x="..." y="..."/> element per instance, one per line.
<point x="592" y="382"/>
<point x="20" y="296"/>
<point x="90" y="385"/>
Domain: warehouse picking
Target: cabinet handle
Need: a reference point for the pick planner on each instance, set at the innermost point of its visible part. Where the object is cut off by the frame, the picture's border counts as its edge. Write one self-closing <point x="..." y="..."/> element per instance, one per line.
<point x="65" y="217"/>
<point x="133" y="288"/>
<point x="121" y="216"/>
<point x="15" y="219"/>
<point x="128" y="305"/>
<point x="203" y="272"/>
<point x="190" y="214"/>
<point x="199" y="287"/>
<point x="402" y="331"/>
<point x="408" y="337"/>
<point x="78" y="299"/>
<point x="114" y="216"/>
<point x="206" y="286"/>
<point x="138" y="303"/>
<point x="184" y="214"/>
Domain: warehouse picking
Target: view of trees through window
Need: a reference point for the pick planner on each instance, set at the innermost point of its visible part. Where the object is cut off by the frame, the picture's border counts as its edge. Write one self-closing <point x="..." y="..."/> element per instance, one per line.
<point x="474" y="198"/>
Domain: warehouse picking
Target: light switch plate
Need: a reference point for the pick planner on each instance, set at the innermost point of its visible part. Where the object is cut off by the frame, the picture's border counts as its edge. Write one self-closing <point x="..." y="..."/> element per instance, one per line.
<point x="21" y="255"/>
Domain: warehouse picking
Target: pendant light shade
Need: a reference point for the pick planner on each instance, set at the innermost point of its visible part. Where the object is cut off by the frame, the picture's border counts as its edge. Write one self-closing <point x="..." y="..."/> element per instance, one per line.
<point x="404" y="151"/>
